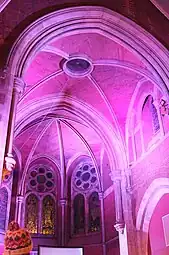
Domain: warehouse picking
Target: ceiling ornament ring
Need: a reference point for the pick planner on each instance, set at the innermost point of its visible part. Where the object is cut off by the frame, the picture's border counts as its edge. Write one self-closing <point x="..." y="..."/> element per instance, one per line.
<point x="77" y="66"/>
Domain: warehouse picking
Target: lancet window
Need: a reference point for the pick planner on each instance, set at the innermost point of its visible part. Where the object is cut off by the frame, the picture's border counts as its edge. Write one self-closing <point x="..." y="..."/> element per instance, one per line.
<point x="40" y="206"/>
<point x="86" y="203"/>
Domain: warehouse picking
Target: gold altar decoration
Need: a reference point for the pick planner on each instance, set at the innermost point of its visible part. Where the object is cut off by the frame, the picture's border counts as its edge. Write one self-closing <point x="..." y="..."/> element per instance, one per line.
<point x="17" y="240"/>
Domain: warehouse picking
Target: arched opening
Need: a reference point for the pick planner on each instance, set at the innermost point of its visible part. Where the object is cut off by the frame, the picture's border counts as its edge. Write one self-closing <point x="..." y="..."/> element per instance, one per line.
<point x="72" y="104"/>
<point x="158" y="229"/>
<point x="152" y="218"/>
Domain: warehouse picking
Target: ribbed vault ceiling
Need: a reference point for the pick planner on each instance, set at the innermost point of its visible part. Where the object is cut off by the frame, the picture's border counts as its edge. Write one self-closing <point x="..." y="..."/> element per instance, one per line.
<point x="108" y="89"/>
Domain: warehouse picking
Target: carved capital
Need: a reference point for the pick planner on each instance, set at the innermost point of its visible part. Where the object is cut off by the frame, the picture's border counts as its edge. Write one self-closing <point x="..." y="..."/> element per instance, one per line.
<point x="20" y="199"/>
<point x="101" y="195"/>
<point x="10" y="162"/>
<point x="119" y="226"/>
<point x="63" y="202"/>
<point x="115" y="175"/>
<point x="19" y="85"/>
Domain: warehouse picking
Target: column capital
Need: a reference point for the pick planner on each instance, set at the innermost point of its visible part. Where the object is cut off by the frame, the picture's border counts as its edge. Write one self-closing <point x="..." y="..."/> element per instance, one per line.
<point x="115" y="175"/>
<point x="119" y="226"/>
<point x="20" y="199"/>
<point x="63" y="202"/>
<point x="101" y="195"/>
<point x="19" y="85"/>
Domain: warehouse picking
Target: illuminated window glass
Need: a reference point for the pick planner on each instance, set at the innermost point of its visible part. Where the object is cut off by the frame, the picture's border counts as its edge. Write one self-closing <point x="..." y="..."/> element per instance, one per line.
<point x="155" y="120"/>
<point x="40" y="213"/>
<point x="31" y="220"/>
<point x="86" y="203"/>
<point x="94" y="212"/>
<point x="48" y="223"/>
<point x="3" y="207"/>
<point x="79" y="214"/>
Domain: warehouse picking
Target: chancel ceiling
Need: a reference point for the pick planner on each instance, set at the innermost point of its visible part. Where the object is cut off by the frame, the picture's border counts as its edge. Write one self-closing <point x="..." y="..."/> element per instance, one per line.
<point x="98" y="72"/>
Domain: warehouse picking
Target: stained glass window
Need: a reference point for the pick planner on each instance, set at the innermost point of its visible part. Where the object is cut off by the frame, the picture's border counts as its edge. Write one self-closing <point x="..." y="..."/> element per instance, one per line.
<point x="48" y="220"/>
<point x="85" y="177"/>
<point x="31" y="220"/>
<point x="155" y="120"/>
<point x="79" y="214"/>
<point x="41" y="180"/>
<point x="84" y="182"/>
<point x="3" y="207"/>
<point x="94" y="212"/>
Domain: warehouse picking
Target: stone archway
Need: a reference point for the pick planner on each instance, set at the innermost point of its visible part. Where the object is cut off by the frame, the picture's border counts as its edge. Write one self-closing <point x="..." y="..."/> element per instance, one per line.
<point x="95" y="20"/>
<point x="152" y="196"/>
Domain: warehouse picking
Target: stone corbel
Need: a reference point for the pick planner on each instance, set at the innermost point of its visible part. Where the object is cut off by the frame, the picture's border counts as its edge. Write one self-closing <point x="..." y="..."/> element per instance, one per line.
<point x="119" y="226"/>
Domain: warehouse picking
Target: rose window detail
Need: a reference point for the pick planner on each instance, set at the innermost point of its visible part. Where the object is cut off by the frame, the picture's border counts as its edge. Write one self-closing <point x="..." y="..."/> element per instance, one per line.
<point x="41" y="179"/>
<point x="85" y="177"/>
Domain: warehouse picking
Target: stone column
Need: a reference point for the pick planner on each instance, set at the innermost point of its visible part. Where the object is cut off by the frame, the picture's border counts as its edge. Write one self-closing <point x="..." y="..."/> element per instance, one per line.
<point x="63" y="203"/>
<point x="128" y="240"/>
<point x="19" y="209"/>
<point x="101" y="197"/>
<point x="17" y="91"/>
<point x="116" y="178"/>
<point x="120" y="224"/>
<point x="5" y="102"/>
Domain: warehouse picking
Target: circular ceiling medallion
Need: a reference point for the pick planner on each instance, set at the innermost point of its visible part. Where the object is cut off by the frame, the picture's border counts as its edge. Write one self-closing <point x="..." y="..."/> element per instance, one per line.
<point x="77" y="66"/>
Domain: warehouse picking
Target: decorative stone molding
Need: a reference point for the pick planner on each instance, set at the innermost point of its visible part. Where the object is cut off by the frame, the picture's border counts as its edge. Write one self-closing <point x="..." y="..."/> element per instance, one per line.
<point x="3" y="4"/>
<point x="20" y="199"/>
<point x="157" y="189"/>
<point x="63" y="202"/>
<point x="162" y="6"/>
<point x="19" y="85"/>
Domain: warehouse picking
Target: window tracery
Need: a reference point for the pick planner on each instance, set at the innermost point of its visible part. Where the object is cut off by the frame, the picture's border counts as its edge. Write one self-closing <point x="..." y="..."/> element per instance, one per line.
<point x="40" y="204"/>
<point x="86" y="203"/>
<point x="41" y="179"/>
<point x="85" y="177"/>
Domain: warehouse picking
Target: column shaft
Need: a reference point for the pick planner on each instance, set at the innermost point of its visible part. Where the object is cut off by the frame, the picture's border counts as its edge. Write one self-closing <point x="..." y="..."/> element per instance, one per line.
<point x="17" y="91"/>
